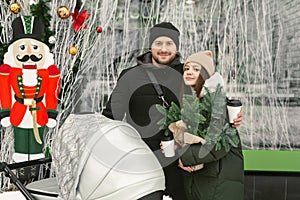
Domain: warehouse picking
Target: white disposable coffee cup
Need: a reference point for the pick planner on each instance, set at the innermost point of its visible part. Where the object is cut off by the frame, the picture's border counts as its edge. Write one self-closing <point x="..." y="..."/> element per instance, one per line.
<point x="234" y="106"/>
<point x="168" y="147"/>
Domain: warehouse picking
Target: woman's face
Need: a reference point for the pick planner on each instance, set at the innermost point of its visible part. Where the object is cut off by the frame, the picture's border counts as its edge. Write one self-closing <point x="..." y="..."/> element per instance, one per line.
<point x="191" y="73"/>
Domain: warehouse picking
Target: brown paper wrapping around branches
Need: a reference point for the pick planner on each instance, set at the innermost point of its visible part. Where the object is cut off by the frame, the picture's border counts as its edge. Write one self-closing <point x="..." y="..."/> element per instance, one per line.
<point x="183" y="138"/>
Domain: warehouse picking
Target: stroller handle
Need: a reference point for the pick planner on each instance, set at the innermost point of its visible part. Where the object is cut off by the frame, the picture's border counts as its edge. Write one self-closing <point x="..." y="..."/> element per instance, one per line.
<point x="29" y="163"/>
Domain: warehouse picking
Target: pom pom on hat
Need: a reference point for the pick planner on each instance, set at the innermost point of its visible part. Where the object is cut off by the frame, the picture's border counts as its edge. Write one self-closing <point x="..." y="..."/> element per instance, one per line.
<point x="204" y="58"/>
<point x="164" y="29"/>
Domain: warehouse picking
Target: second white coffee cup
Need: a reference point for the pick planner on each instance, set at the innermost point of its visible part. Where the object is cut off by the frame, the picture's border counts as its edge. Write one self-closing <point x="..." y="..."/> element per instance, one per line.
<point x="168" y="147"/>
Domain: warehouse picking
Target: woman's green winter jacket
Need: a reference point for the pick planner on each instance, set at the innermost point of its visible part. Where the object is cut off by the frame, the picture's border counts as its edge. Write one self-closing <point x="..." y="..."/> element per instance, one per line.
<point x="222" y="177"/>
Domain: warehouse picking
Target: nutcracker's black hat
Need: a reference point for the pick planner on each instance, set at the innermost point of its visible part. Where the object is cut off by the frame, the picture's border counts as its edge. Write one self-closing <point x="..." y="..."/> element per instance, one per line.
<point x="27" y="27"/>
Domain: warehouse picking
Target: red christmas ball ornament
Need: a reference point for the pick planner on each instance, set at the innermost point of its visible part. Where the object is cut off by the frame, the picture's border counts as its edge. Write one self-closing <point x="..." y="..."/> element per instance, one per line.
<point x="99" y="29"/>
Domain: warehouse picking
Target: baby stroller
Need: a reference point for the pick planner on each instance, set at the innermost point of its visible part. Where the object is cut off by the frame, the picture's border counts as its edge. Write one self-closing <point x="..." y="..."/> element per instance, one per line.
<point x="96" y="158"/>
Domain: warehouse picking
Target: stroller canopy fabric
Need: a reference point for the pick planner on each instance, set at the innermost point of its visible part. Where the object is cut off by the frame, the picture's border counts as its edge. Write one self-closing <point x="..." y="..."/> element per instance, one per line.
<point x="98" y="158"/>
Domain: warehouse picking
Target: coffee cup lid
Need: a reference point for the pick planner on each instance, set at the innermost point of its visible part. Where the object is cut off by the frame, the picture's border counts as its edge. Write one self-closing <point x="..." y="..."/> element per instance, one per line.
<point x="167" y="138"/>
<point x="234" y="102"/>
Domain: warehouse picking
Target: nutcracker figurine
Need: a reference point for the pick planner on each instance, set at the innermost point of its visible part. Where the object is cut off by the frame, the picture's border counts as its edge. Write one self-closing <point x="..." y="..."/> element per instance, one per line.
<point x="29" y="86"/>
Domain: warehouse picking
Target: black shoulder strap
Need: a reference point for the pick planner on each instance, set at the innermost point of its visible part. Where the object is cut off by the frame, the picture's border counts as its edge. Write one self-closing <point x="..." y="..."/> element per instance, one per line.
<point x="157" y="89"/>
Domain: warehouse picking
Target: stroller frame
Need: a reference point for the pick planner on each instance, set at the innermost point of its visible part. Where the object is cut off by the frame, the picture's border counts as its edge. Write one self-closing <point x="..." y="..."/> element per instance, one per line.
<point x="7" y="169"/>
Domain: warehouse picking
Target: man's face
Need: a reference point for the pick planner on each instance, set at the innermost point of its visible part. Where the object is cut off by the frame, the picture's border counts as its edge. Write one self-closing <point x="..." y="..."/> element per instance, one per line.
<point x="29" y="53"/>
<point x="163" y="50"/>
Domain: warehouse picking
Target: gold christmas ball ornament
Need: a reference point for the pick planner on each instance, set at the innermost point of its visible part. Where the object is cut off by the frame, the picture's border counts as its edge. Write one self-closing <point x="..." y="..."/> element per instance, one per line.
<point x="73" y="50"/>
<point x="63" y="12"/>
<point x="15" y="7"/>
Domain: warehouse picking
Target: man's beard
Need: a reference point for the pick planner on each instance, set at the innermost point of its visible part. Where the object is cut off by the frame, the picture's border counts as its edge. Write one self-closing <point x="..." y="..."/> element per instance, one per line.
<point x="163" y="63"/>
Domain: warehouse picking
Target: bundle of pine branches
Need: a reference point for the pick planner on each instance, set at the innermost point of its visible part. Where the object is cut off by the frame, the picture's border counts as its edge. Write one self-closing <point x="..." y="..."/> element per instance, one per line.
<point x="206" y="118"/>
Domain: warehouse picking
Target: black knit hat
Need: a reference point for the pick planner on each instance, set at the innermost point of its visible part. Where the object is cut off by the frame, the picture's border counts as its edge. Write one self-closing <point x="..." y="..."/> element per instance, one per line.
<point x="27" y="27"/>
<point x="164" y="29"/>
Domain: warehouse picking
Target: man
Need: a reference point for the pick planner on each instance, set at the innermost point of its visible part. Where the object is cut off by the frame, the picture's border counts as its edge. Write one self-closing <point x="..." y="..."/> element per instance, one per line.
<point x="29" y="84"/>
<point x="135" y="97"/>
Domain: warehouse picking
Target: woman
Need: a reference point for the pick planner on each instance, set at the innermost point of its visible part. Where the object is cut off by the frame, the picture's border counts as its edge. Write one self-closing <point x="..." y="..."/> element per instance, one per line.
<point x="221" y="176"/>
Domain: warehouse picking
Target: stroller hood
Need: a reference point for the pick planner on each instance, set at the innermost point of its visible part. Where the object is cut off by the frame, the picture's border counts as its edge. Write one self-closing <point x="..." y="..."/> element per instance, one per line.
<point x="112" y="161"/>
